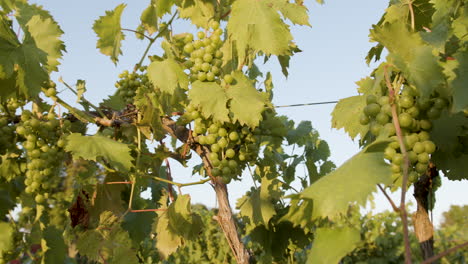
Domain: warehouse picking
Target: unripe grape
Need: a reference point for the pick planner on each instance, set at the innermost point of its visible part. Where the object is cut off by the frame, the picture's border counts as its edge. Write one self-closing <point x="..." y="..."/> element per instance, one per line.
<point x="210" y="76"/>
<point x="383" y="100"/>
<point x="232" y="164"/>
<point x="375" y="129"/>
<point x="364" y="120"/>
<point x="389" y="129"/>
<point x="429" y="146"/>
<point x="433" y="113"/>
<point x="233" y="136"/>
<point x="412" y="156"/>
<point x="372" y="109"/>
<point x="389" y="153"/>
<point x="228" y="78"/>
<point x="216" y="172"/>
<point x="223" y="142"/>
<point x="406" y="101"/>
<point x="370" y="99"/>
<point x="226" y="171"/>
<point x="205" y="66"/>
<point x="213" y="156"/>
<point x="423" y="158"/>
<point x="397" y="159"/>
<point x="201" y="76"/>
<point x="215" y="162"/>
<point x="39" y="198"/>
<point x="230" y="153"/>
<point x="222" y="132"/>
<point x="405" y="120"/>
<point x="395" y="168"/>
<point x="421" y="167"/>
<point x="382" y="118"/>
<point x="200" y="34"/>
<point x="387" y="109"/>
<point x="418" y="148"/>
<point x="425" y="124"/>
<point x="423" y="136"/>
<point x="210" y="139"/>
<point x="188" y="38"/>
<point x="440" y="103"/>
<point x="189" y="48"/>
<point x="214" y="25"/>
<point x="215" y="147"/>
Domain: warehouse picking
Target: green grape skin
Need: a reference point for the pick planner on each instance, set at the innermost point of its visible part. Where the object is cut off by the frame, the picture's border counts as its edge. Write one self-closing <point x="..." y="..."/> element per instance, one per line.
<point x="230" y="153"/>
<point x="213" y="156"/>
<point x="205" y="66"/>
<point x="51" y="92"/>
<point x="421" y="167"/>
<point x="406" y="101"/>
<point x="228" y="78"/>
<point x="395" y="168"/>
<point x="207" y="57"/>
<point x="370" y="99"/>
<point x="188" y="38"/>
<point x="440" y="103"/>
<point x="364" y="120"/>
<point x="189" y="48"/>
<point x="384" y="100"/>
<point x="201" y="76"/>
<point x="387" y="109"/>
<point x="405" y="120"/>
<point x="215" y="148"/>
<point x="394" y="145"/>
<point x="226" y="171"/>
<point x="389" y="153"/>
<point x="413" y="177"/>
<point x="200" y="34"/>
<point x="242" y="157"/>
<point x="425" y="124"/>
<point x="214" y="24"/>
<point x="39" y="198"/>
<point x="375" y="129"/>
<point x="372" y="109"/>
<point x="202" y="140"/>
<point x="210" y="76"/>
<point x="213" y="129"/>
<point x="222" y="132"/>
<point x="413" y="157"/>
<point x="210" y="139"/>
<point x="233" y="164"/>
<point x="429" y="146"/>
<point x="233" y="136"/>
<point x="215" y="162"/>
<point x="423" y="136"/>
<point x="397" y="159"/>
<point x="222" y="142"/>
<point x="215" y="172"/>
<point x="389" y="129"/>
<point x="423" y="158"/>
<point x="433" y="113"/>
<point x="382" y="118"/>
<point x="418" y="148"/>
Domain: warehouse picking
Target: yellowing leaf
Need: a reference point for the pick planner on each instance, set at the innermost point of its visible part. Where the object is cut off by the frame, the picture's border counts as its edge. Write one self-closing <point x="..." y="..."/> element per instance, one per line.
<point x="149" y="18"/>
<point x="92" y="147"/>
<point x="110" y="34"/>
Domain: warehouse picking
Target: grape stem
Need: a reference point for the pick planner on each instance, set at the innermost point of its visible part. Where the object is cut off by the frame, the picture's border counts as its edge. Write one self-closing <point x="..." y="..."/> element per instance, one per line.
<point x="396" y="123"/>
<point x="136" y="32"/>
<point x="82" y="97"/>
<point x="410" y="6"/>
<point x="395" y="208"/>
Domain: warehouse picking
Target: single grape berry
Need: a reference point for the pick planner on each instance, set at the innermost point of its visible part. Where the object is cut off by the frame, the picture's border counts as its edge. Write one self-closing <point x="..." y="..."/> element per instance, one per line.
<point x="230" y="153"/>
<point x="405" y="120"/>
<point x="372" y="109"/>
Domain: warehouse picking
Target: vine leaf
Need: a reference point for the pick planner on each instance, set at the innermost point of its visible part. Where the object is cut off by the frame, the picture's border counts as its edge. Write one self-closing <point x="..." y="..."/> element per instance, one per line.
<point x="353" y="182"/>
<point x="332" y="244"/>
<point x="6" y="239"/>
<point x="110" y="34"/>
<point x="412" y="56"/>
<point x="175" y="224"/>
<point x="346" y="115"/>
<point x="22" y="61"/>
<point x="200" y="12"/>
<point x="258" y="25"/>
<point x="54" y="246"/>
<point x="108" y="241"/>
<point x="46" y="34"/>
<point x="92" y="147"/>
<point x="247" y="104"/>
<point x="211" y="98"/>
<point x="167" y="75"/>
<point x="257" y="206"/>
<point x="149" y="18"/>
<point x="460" y="83"/>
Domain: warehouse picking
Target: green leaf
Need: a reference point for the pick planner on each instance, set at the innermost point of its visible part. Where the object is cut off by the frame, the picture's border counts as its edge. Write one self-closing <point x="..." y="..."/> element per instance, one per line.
<point x="200" y="12"/>
<point x="53" y="245"/>
<point x="46" y="34"/>
<point x="163" y="7"/>
<point x="6" y="239"/>
<point x="346" y="115"/>
<point x="110" y="34"/>
<point x="296" y="12"/>
<point x="459" y="85"/>
<point x="175" y="224"/>
<point x="81" y="89"/>
<point x="247" y="104"/>
<point x="332" y="244"/>
<point x="212" y="100"/>
<point x="149" y="18"/>
<point x="92" y="147"/>
<point x="353" y="182"/>
<point x="257" y="207"/>
<point x="167" y="75"/>
<point x="23" y="60"/>
<point x="257" y="25"/>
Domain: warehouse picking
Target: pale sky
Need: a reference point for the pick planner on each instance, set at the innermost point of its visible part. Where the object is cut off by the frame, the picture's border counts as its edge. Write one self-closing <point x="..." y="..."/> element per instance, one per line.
<point x="331" y="62"/>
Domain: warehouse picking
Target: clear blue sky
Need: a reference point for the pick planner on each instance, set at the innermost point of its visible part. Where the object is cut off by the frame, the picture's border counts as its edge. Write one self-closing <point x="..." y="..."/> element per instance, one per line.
<point x="332" y="60"/>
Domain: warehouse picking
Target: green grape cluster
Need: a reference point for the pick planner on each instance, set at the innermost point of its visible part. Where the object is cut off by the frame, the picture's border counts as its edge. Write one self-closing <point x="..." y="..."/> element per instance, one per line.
<point x="231" y="145"/>
<point x="44" y="151"/>
<point x="414" y="115"/>
<point x="50" y="90"/>
<point x="204" y="57"/>
<point x="129" y="83"/>
<point x="7" y="135"/>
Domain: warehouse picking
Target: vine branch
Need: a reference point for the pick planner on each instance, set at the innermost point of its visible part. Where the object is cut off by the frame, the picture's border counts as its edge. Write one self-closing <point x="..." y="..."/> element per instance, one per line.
<point x="395" y="208"/>
<point x="445" y="253"/>
<point x="396" y="123"/>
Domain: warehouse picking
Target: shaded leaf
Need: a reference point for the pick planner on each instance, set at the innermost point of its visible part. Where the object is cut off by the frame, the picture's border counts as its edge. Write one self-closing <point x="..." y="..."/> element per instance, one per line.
<point x="332" y="244"/>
